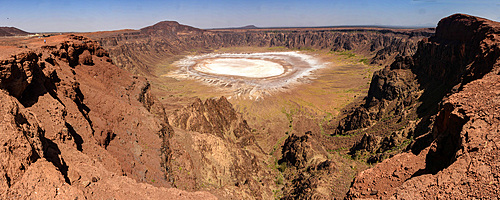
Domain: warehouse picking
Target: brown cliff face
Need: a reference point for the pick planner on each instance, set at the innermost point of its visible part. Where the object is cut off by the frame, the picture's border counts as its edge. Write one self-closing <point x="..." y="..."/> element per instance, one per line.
<point x="24" y="140"/>
<point x="214" y="116"/>
<point x="308" y="170"/>
<point x="139" y="51"/>
<point x="453" y="153"/>
<point x="441" y="65"/>
<point x="214" y="149"/>
<point x="73" y="124"/>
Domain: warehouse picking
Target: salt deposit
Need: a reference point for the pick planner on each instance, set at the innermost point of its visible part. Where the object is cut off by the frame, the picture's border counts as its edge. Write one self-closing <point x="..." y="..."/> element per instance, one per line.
<point x="240" y="67"/>
<point x="251" y="75"/>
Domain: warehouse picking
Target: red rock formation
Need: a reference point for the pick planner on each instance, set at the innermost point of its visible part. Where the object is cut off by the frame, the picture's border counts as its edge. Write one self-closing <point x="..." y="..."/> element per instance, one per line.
<point x="73" y="124"/>
<point x="415" y="85"/>
<point x="214" y="116"/>
<point x="214" y="147"/>
<point x="460" y="153"/>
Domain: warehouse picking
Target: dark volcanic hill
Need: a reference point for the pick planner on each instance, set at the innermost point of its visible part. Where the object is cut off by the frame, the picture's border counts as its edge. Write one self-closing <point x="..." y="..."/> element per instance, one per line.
<point x="248" y="27"/>
<point x="12" y="31"/>
<point x="168" y="27"/>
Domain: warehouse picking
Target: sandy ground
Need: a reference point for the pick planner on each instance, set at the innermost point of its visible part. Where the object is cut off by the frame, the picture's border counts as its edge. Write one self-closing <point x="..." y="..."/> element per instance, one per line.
<point x="252" y="75"/>
<point x="18" y="44"/>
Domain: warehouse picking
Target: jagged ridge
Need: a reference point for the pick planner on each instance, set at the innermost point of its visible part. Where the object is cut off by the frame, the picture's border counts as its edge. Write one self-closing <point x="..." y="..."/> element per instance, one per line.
<point x="459" y="66"/>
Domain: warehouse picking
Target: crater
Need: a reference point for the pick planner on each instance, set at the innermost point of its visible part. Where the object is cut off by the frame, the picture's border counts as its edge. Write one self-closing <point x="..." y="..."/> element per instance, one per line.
<point x="252" y="75"/>
<point x="245" y="67"/>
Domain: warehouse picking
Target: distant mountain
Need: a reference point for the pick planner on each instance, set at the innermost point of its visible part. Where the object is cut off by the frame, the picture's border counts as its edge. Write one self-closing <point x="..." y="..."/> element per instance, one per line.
<point x="168" y="27"/>
<point x="12" y="31"/>
<point x="243" y="27"/>
<point x="248" y="27"/>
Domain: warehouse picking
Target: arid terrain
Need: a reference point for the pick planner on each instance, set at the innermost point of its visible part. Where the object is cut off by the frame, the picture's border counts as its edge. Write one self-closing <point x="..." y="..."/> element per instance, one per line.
<point x="171" y="111"/>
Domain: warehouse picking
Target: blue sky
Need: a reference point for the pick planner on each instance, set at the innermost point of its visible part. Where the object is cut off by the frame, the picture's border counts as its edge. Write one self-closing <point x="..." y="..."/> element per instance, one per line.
<point x="94" y="15"/>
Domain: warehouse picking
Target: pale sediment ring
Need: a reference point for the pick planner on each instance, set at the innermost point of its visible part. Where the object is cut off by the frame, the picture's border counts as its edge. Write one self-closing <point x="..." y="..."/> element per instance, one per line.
<point x="254" y="73"/>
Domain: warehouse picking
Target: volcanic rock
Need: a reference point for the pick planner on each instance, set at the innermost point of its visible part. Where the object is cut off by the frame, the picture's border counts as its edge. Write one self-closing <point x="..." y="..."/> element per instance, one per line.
<point x="12" y="31"/>
<point x="299" y="152"/>
<point x="307" y="171"/>
<point x="66" y="124"/>
<point x="457" y="157"/>
<point x="213" y="147"/>
<point x="415" y="85"/>
<point x="213" y="116"/>
<point x="23" y="145"/>
<point x="76" y="125"/>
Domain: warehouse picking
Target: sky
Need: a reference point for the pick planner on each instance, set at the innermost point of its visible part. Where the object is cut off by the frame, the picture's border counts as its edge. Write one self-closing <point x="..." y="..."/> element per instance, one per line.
<point x="101" y="15"/>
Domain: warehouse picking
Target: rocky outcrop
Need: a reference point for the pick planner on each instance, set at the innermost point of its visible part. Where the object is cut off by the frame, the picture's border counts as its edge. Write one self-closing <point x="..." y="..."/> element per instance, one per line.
<point x="299" y="152"/>
<point x="23" y="145"/>
<point x="461" y="162"/>
<point x="214" y="116"/>
<point x="456" y="157"/>
<point x="296" y="151"/>
<point x="214" y="149"/>
<point x="307" y="170"/>
<point x="392" y="90"/>
<point x="140" y="51"/>
<point x="73" y="124"/>
<point x="228" y="169"/>
<point x="414" y="86"/>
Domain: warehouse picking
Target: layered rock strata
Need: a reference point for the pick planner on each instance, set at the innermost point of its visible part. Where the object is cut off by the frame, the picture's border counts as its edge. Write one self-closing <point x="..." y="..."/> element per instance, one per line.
<point x="76" y="126"/>
<point x="453" y="80"/>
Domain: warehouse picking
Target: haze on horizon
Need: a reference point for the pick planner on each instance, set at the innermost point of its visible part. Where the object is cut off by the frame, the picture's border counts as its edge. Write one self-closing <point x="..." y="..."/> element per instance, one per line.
<point x="101" y="15"/>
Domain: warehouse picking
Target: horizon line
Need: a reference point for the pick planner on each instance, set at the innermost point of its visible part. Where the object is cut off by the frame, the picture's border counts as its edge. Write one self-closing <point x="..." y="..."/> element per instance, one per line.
<point x="256" y="27"/>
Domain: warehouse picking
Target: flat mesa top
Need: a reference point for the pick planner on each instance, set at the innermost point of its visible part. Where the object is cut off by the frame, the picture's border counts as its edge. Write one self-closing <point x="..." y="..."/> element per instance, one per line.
<point x="251" y="68"/>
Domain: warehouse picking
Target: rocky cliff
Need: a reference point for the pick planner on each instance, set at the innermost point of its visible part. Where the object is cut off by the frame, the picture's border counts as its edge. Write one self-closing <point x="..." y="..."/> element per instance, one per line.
<point x="141" y="50"/>
<point x="214" y="148"/>
<point x="76" y="126"/>
<point x="214" y="116"/>
<point x="308" y="170"/>
<point x="448" y="94"/>
<point x="413" y="112"/>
